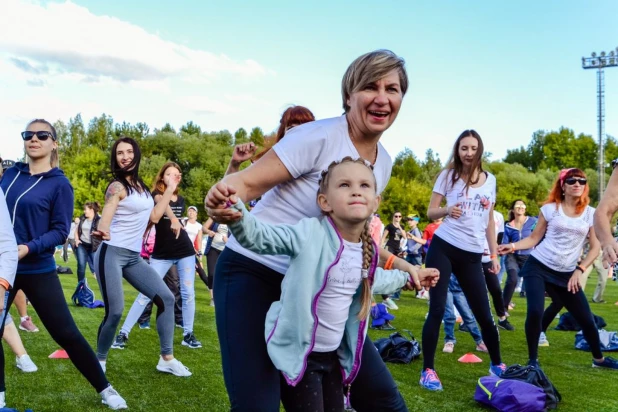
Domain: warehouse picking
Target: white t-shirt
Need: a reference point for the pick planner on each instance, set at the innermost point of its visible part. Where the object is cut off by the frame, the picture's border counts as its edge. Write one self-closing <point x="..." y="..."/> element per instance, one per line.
<point x="467" y="232"/>
<point x="334" y="304"/>
<point x="192" y="230"/>
<point x="306" y="151"/>
<point x="564" y="238"/>
<point x="499" y="221"/>
<point x="218" y="241"/>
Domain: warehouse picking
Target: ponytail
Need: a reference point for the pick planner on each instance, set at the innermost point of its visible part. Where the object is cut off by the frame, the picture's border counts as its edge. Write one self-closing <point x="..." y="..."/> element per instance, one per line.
<point x="368" y="252"/>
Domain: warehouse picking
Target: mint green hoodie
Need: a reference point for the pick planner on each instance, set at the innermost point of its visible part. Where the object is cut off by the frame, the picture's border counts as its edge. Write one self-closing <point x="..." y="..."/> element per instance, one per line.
<point x="315" y="246"/>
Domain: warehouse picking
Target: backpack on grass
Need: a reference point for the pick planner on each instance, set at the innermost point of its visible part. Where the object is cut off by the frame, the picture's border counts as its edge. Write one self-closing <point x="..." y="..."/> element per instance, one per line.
<point x="83" y="295"/>
<point x="509" y="395"/>
<point x="398" y="348"/>
<point x="535" y="376"/>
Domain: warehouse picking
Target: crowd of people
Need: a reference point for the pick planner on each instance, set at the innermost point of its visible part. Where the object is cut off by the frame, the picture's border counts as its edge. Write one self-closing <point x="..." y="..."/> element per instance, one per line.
<point x="294" y="254"/>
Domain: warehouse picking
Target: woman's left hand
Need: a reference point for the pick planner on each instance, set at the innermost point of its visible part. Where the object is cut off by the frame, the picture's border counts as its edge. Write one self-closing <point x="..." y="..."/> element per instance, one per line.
<point x="495" y="266"/>
<point x="176" y="227"/>
<point x="22" y="251"/>
<point x="574" y="284"/>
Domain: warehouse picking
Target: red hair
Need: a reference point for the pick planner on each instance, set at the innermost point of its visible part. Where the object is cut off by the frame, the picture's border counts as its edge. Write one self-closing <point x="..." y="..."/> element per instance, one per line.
<point x="293" y="116"/>
<point x="556" y="195"/>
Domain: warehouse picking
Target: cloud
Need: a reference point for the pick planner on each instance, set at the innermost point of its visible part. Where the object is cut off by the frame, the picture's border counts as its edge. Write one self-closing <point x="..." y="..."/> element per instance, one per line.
<point x="80" y="42"/>
<point x="36" y="83"/>
<point x="203" y="105"/>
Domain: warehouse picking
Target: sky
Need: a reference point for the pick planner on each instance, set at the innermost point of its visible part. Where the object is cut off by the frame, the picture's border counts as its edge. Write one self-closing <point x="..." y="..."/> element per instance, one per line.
<point x="505" y="69"/>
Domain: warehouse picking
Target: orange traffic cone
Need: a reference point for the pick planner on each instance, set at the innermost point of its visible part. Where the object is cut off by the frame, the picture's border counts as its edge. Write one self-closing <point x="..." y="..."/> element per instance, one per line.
<point x="59" y="354"/>
<point x="470" y="358"/>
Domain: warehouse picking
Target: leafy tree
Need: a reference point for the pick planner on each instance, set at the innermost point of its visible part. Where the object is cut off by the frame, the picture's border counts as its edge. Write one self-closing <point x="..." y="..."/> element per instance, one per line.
<point x="241" y="136"/>
<point x="257" y="136"/>
<point x="191" y="128"/>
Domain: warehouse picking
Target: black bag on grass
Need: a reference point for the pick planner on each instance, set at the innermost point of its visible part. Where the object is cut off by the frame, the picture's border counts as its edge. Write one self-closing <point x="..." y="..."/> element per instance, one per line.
<point x="397" y="348"/>
<point x="536" y="377"/>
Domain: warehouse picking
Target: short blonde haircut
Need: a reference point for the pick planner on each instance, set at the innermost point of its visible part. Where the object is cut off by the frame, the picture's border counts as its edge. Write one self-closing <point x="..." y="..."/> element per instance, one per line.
<point x="370" y="68"/>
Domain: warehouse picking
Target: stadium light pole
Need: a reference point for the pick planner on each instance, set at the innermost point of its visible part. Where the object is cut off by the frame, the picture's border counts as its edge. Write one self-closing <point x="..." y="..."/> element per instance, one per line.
<point x="600" y="62"/>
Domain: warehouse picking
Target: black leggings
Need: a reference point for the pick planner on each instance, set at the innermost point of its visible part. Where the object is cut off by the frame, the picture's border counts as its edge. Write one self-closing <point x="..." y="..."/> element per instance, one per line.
<point x="468" y="269"/>
<point x="575" y="303"/>
<point x="321" y="387"/>
<point x="211" y="263"/>
<point x="45" y="293"/>
<point x="493" y="286"/>
<point x="513" y="264"/>
<point x="200" y="270"/>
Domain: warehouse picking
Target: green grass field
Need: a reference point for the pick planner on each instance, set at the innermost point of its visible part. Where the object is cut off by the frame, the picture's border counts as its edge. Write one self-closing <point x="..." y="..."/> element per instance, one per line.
<point x="57" y="386"/>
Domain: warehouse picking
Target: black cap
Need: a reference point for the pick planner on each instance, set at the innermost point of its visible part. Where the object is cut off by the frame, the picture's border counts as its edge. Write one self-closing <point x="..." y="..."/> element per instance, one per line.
<point x="7" y="163"/>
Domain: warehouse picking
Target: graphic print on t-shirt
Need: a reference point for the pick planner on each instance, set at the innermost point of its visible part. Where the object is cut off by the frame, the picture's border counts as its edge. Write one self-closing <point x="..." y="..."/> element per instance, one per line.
<point x="473" y="205"/>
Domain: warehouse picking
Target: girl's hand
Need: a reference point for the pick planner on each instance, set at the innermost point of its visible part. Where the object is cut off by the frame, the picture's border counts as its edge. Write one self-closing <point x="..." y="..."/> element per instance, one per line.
<point x="243" y="152"/>
<point x="505" y="249"/>
<point x="176" y="227"/>
<point x="172" y="181"/>
<point x="101" y="235"/>
<point x="495" y="266"/>
<point x="216" y="203"/>
<point x="454" y="211"/>
<point x="22" y="251"/>
<point x="574" y="285"/>
<point x="610" y="253"/>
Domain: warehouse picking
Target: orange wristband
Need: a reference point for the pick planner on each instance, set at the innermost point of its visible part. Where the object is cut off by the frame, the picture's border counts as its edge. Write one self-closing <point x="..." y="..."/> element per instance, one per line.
<point x="493" y="256"/>
<point x="5" y="284"/>
<point x="389" y="262"/>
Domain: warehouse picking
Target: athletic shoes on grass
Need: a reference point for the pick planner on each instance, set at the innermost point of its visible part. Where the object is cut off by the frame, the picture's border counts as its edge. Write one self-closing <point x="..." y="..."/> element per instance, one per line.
<point x="448" y="347"/>
<point x="480" y="347"/>
<point x="111" y="398"/>
<point x="429" y="380"/>
<point x="506" y="325"/>
<point x="190" y="341"/>
<point x="120" y="342"/>
<point x="390" y="304"/>
<point x="27" y="325"/>
<point x="497" y="370"/>
<point x="543" y="340"/>
<point x="174" y="366"/>
<point x="608" y="362"/>
<point x="25" y="364"/>
<point x="144" y="325"/>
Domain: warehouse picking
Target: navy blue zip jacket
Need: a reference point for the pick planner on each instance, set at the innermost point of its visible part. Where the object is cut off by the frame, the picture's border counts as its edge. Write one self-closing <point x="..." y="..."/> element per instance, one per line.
<point x="512" y="234"/>
<point x="41" y="207"/>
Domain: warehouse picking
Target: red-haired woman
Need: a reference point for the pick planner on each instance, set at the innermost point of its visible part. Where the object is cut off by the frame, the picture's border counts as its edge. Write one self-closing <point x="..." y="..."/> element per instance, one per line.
<point x="293" y="116"/>
<point x="564" y="222"/>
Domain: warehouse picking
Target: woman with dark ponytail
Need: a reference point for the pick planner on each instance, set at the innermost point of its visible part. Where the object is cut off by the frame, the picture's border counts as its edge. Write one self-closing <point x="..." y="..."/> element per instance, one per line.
<point x="85" y="243"/>
<point x="326" y="294"/>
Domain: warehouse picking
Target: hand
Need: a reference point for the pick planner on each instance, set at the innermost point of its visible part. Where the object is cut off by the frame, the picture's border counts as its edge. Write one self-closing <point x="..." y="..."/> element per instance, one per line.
<point x="172" y="181"/>
<point x="243" y="152"/>
<point x="2" y="293"/>
<point x="574" y="285"/>
<point x="176" y="227"/>
<point x="101" y="234"/>
<point x="22" y="251"/>
<point x="610" y="253"/>
<point x="77" y="242"/>
<point x="505" y="249"/>
<point x="454" y="211"/>
<point x="428" y="277"/>
<point x="216" y="204"/>
<point x="495" y="266"/>
<point x="211" y="233"/>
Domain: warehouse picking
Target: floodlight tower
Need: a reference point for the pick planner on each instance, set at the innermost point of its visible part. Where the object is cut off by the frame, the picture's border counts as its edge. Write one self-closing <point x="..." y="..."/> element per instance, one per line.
<point x="601" y="62"/>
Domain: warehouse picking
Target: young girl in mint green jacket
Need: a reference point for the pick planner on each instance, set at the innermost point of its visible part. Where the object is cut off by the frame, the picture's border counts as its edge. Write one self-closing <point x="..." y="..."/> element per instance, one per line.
<point x="315" y="332"/>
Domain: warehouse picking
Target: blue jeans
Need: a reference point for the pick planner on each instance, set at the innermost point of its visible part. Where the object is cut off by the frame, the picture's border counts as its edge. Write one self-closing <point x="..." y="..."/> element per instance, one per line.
<point x="414" y="259"/>
<point x="186" y="274"/>
<point x="244" y="290"/>
<point x="84" y="254"/>
<point x="456" y="297"/>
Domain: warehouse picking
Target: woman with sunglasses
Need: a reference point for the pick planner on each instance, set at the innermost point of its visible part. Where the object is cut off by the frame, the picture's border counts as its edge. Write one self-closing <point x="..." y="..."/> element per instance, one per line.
<point x="40" y="201"/>
<point x="564" y="223"/>
<point x="518" y="227"/>
<point x="391" y="241"/>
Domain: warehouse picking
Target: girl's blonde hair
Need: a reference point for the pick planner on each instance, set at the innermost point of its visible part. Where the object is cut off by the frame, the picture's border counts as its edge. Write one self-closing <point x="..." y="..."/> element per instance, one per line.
<point x="368" y="247"/>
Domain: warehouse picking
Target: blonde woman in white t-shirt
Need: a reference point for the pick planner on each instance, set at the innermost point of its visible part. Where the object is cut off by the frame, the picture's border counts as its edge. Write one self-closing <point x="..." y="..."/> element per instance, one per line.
<point x="564" y="224"/>
<point x="458" y="246"/>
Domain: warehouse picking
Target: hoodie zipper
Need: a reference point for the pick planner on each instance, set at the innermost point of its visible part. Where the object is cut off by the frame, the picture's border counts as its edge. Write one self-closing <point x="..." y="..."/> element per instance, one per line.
<point x="20" y="196"/>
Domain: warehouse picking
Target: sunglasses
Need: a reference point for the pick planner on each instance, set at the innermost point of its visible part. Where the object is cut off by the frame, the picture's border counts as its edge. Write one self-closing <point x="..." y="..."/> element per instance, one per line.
<point x="398" y="216"/>
<point x="572" y="180"/>
<point x="520" y="207"/>
<point x="41" y="135"/>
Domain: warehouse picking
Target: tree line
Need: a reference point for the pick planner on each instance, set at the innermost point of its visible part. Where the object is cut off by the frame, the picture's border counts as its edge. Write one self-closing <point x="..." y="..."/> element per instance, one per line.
<point x="525" y="173"/>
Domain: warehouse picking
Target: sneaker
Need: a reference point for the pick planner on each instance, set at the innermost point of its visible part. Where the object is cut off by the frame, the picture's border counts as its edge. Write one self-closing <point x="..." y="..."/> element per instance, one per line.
<point x="480" y="347"/>
<point x="464" y="328"/>
<point x="511" y="306"/>
<point x="27" y="325"/>
<point x="522" y="294"/>
<point x="112" y="399"/>
<point x="144" y="325"/>
<point x="517" y="290"/>
<point x="2" y="401"/>
<point x="25" y="364"/>
<point x="212" y="303"/>
<point x="497" y="370"/>
<point x="174" y="366"/>
<point x="543" y="340"/>
<point x="608" y="362"/>
<point x="179" y="326"/>
<point x="120" y="342"/>
<point x="190" y="341"/>
<point x="506" y="325"/>
<point x="598" y="301"/>
<point x="448" y="347"/>
<point x="103" y="365"/>
<point x="429" y="380"/>
<point x="390" y="304"/>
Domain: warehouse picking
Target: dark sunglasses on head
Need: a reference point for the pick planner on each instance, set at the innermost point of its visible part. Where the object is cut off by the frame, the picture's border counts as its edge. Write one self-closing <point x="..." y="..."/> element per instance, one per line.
<point x="41" y="135"/>
<point x="573" y="180"/>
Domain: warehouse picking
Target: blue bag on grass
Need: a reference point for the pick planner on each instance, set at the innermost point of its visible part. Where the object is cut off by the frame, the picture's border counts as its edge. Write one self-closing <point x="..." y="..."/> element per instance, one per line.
<point x="509" y="395"/>
<point x="83" y="295"/>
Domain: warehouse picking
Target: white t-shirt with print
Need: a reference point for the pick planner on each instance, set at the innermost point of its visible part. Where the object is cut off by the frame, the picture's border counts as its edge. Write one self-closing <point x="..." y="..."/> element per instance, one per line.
<point x="467" y="232"/>
<point x="306" y="151"/>
<point x="499" y="221"/>
<point x="564" y="238"/>
<point x="192" y="230"/>
<point x="334" y="304"/>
